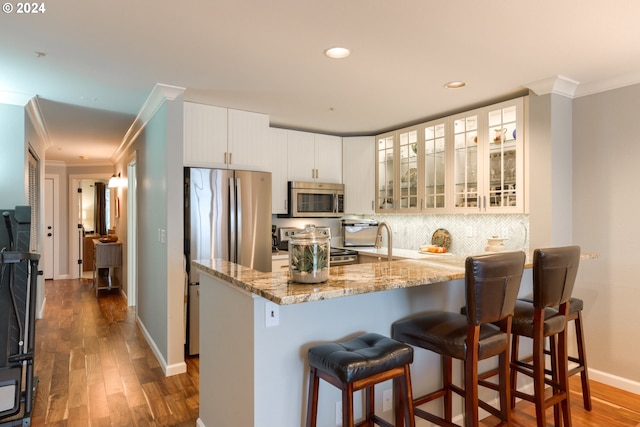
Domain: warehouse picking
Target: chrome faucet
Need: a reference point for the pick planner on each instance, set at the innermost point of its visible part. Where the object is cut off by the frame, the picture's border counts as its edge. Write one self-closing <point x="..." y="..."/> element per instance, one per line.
<point x="382" y="225"/>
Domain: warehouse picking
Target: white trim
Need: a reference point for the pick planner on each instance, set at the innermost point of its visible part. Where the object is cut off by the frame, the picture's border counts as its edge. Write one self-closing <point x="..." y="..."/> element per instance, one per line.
<point x="615" y="381"/>
<point x="174" y="369"/>
<point x="558" y="85"/>
<point x="37" y="119"/>
<point x="610" y="84"/>
<point x="159" y="95"/>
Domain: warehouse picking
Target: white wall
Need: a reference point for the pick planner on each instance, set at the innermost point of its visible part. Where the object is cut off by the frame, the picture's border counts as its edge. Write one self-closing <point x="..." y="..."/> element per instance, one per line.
<point x="606" y="177"/>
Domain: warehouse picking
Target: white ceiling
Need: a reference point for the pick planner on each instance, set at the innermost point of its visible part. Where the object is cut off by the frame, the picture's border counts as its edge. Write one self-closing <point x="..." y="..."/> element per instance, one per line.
<point x="103" y="58"/>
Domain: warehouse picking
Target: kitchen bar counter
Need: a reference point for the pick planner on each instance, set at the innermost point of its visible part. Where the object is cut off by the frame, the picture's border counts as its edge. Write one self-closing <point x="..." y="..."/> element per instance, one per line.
<point x="256" y="330"/>
<point x="343" y="280"/>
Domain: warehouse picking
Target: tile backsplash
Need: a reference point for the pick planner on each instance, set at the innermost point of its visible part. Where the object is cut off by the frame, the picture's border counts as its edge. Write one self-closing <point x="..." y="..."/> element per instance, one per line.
<point x="469" y="233"/>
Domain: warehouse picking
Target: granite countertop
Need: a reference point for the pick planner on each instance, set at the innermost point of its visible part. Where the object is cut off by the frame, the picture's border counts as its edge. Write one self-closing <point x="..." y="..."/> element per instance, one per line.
<point x="343" y="281"/>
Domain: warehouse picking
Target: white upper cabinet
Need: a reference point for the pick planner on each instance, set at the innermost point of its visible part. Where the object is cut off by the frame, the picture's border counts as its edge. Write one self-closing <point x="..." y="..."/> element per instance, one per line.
<point x="277" y="159"/>
<point x="398" y="166"/>
<point x="205" y="135"/>
<point x="471" y="162"/>
<point x="358" y="174"/>
<point x="314" y="157"/>
<point x="247" y="142"/>
<point x="488" y="160"/>
<point x="223" y="138"/>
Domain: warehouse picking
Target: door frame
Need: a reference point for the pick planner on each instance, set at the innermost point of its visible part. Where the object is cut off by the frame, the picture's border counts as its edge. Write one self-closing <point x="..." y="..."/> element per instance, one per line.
<point x="74" y="241"/>
<point x="132" y="233"/>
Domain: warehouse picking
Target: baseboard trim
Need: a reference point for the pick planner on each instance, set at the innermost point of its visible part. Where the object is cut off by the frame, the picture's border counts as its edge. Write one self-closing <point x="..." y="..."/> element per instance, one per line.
<point x="615" y="381"/>
<point x="169" y="370"/>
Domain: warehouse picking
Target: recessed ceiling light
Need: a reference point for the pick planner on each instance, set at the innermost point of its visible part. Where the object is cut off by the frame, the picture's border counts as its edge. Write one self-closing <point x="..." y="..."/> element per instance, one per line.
<point x="455" y="85"/>
<point x="337" y="52"/>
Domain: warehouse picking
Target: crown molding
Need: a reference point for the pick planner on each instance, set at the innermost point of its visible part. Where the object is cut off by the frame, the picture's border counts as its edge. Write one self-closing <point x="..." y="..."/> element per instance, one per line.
<point x="37" y="119"/>
<point x="159" y="95"/>
<point x="558" y="85"/>
<point x="609" y="84"/>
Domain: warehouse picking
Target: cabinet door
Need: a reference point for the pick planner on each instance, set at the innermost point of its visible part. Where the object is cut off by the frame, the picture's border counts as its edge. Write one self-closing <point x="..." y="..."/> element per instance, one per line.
<point x="434" y="146"/>
<point x="205" y="135"/>
<point x="467" y="182"/>
<point x="407" y="179"/>
<point x="247" y="140"/>
<point x="385" y="172"/>
<point x="301" y="158"/>
<point x="503" y="157"/>
<point x="358" y="174"/>
<point x="277" y="161"/>
<point x="328" y="158"/>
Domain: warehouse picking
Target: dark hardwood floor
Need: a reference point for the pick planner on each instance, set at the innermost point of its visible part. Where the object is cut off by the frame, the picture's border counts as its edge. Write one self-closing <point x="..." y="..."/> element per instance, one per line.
<point x="96" y="369"/>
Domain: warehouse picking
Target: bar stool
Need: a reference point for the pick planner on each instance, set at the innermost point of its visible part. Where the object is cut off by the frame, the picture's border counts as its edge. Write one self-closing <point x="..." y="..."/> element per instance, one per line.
<point x="576" y="306"/>
<point x="492" y="283"/>
<point x="358" y="364"/>
<point x="554" y="274"/>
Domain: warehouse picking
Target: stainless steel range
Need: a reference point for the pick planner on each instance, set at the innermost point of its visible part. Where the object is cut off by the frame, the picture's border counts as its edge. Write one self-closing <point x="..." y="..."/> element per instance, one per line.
<point x="337" y="256"/>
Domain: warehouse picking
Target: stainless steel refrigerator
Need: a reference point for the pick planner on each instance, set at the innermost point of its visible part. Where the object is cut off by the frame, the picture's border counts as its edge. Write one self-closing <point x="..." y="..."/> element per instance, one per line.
<point x="227" y="216"/>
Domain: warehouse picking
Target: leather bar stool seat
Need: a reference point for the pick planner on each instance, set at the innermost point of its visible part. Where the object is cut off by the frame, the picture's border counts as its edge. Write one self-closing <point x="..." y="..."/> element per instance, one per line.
<point x="491" y="289"/>
<point x="360" y="363"/>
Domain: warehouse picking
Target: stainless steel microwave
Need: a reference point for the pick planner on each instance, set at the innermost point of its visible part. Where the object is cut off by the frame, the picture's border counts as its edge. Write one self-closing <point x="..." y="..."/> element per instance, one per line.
<point x="315" y="200"/>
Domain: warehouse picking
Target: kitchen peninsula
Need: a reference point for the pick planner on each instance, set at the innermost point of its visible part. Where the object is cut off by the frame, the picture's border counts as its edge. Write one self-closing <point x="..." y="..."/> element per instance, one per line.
<point x="256" y="329"/>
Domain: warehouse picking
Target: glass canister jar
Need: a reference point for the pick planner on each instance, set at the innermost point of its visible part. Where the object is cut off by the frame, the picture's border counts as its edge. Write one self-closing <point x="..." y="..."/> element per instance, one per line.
<point x="309" y="256"/>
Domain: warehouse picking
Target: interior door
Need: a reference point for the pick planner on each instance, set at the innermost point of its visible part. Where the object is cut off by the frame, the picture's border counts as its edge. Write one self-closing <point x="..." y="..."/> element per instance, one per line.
<point x="49" y="235"/>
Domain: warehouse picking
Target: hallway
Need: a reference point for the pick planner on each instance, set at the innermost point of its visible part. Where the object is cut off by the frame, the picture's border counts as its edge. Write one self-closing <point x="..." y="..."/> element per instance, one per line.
<point x="96" y="369"/>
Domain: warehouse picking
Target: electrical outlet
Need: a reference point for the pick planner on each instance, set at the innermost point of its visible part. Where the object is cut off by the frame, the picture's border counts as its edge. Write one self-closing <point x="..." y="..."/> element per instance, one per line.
<point x="469" y="231"/>
<point x="387" y="397"/>
<point x="338" y="413"/>
<point x="271" y="314"/>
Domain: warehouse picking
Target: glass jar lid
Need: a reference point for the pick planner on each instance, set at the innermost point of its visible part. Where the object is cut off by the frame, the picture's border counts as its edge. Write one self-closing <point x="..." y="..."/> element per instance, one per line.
<point x="310" y="235"/>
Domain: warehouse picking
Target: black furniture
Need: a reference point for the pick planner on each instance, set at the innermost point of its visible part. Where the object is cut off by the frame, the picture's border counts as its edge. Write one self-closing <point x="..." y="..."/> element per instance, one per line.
<point x="554" y="274"/>
<point x="18" y="279"/>
<point x="361" y="363"/>
<point x="492" y="283"/>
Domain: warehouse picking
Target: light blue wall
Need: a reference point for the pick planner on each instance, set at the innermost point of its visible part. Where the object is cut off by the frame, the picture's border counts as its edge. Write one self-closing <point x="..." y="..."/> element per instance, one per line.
<point x="13" y="157"/>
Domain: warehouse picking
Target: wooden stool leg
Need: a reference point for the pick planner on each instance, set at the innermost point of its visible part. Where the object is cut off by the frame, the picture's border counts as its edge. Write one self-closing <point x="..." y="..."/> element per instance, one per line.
<point x="403" y="400"/>
<point x="347" y="405"/>
<point x="538" y="373"/>
<point x="504" y="388"/>
<point x="563" y="376"/>
<point x="582" y="360"/>
<point x="553" y="353"/>
<point x="447" y="380"/>
<point x="370" y="400"/>
<point x="312" y="403"/>
<point x="513" y="374"/>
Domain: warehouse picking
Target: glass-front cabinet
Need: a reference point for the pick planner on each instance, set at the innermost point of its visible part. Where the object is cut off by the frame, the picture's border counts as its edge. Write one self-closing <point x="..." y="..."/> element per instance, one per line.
<point x="471" y="162"/>
<point x="434" y="166"/>
<point x="397" y="172"/>
<point x="488" y="161"/>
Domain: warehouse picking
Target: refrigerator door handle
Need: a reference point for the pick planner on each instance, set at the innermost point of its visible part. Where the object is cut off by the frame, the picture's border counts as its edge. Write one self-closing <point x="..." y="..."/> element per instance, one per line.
<point x="232" y="222"/>
<point x="238" y="219"/>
